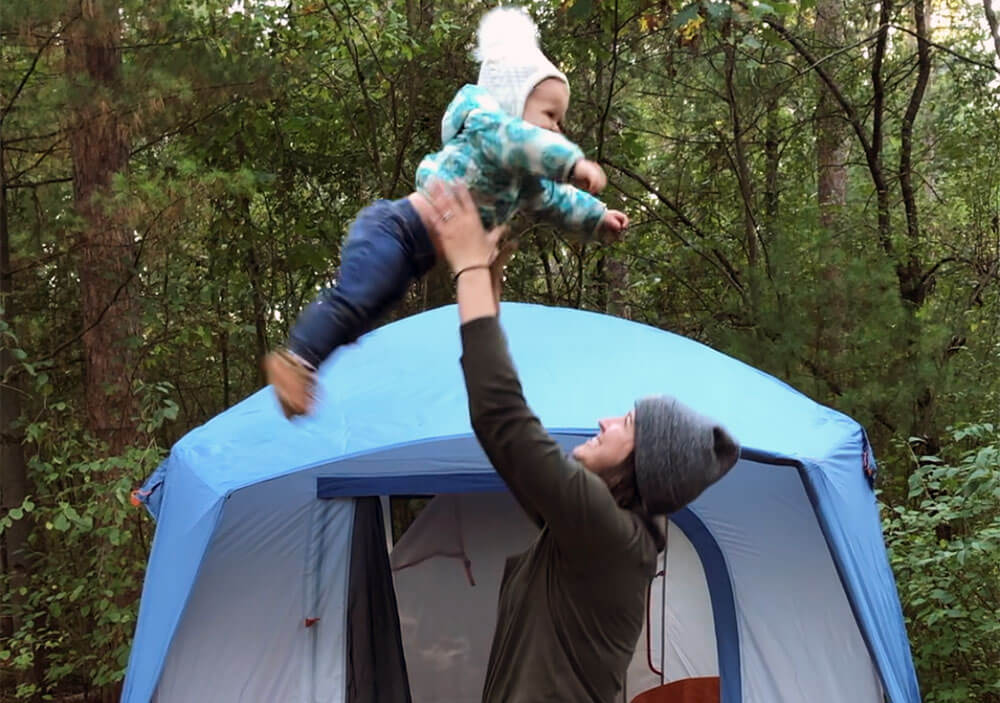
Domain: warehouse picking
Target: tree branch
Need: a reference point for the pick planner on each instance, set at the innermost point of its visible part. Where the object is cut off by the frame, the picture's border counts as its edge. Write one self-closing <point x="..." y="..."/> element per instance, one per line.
<point x="353" y="51"/>
<point x="35" y="184"/>
<point x="31" y="69"/>
<point x="720" y="261"/>
<point x="871" y="147"/>
<point x="991" y="19"/>
<point x="906" y="130"/>
<point x="878" y="87"/>
<point x="835" y="91"/>
<point x="739" y="161"/>
<point x="951" y="52"/>
<point x="611" y="88"/>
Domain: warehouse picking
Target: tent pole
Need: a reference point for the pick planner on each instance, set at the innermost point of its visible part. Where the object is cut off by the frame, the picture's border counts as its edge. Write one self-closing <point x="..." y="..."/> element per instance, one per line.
<point x="663" y="600"/>
<point x="387" y="521"/>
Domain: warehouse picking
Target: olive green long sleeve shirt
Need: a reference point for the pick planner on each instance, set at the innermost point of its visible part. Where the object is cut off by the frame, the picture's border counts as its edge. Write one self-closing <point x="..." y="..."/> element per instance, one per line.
<point x="571" y="607"/>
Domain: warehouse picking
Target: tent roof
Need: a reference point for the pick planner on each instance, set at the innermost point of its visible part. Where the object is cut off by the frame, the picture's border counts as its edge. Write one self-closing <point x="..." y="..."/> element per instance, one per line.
<point x="401" y="387"/>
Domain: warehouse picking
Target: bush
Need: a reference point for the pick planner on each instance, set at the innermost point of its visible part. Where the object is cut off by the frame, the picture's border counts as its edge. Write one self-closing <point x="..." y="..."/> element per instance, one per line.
<point x="944" y="546"/>
<point x="76" y="611"/>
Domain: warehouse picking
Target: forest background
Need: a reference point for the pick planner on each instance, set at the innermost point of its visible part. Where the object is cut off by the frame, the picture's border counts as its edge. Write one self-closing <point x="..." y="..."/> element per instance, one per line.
<point x="814" y="188"/>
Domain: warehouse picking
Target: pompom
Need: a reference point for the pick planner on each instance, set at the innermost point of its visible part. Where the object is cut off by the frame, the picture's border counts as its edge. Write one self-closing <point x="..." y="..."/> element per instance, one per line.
<point x="504" y="33"/>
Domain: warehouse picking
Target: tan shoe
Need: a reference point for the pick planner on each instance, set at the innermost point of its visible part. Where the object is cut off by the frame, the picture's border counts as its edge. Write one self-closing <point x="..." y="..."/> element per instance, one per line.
<point x="294" y="384"/>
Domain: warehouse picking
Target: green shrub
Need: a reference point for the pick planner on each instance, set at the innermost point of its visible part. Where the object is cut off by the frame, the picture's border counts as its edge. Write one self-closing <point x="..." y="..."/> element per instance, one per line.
<point x="944" y="545"/>
<point x="89" y="545"/>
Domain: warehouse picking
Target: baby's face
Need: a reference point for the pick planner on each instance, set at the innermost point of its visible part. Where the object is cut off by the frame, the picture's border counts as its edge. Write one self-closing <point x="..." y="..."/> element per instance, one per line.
<point x="547" y="104"/>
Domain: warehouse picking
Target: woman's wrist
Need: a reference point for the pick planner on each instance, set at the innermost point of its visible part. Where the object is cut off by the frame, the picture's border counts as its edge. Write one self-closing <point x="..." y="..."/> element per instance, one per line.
<point x="464" y="269"/>
<point x="474" y="291"/>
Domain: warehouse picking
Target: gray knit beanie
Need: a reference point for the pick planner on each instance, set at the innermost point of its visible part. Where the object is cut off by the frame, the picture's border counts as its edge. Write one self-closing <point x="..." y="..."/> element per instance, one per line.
<point x="678" y="453"/>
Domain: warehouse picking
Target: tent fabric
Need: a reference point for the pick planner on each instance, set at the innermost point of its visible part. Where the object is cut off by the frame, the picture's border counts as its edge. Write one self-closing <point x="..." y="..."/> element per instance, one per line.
<point x="447" y="622"/>
<point x="675" y="643"/>
<point x="393" y="417"/>
<point x="720" y="590"/>
<point x="242" y="636"/>
<point x="376" y="670"/>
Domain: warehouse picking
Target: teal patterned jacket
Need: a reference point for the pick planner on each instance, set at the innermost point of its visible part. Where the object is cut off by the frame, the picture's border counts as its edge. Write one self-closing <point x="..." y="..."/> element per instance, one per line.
<point x="509" y="165"/>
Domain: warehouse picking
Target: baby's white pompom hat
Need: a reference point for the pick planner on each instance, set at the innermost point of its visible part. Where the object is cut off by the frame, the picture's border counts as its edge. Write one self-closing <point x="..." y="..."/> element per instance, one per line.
<point x="512" y="63"/>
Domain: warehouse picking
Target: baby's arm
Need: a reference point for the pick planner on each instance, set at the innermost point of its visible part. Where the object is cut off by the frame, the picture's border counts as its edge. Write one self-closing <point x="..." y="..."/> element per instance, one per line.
<point x="570" y="208"/>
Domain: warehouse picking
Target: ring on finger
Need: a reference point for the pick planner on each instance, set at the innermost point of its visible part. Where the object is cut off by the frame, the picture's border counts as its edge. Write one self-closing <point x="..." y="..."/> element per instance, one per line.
<point x="447" y="215"/>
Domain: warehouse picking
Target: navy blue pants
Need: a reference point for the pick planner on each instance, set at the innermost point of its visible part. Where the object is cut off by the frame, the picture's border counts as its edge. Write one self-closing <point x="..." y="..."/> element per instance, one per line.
<point x="387" y="247"/>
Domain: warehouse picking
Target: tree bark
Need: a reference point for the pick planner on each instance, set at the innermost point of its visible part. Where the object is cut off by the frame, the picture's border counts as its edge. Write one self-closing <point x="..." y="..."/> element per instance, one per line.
<point x="991" y="19"/>
<point x="913" y="281"/>
<point x="255" y="275"/>
<point x="833" y="147"/>
<point x="14" y="482"/>
<point x="614" y="271"/>
<point x="878" y="118"/>
<point x="772" y="167"/>
<point x="741" y="169"/>
<point x="832" y="132"/>
<point x="106" y="255"/>
<point x="740" y="166"/>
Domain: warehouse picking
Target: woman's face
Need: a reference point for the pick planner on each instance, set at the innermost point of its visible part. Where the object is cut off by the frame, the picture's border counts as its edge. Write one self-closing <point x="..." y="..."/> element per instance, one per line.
<point x="611" y="446"/>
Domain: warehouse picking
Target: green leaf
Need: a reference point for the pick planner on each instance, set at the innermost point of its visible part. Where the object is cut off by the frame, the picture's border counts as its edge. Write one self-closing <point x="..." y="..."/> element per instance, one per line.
<point x="581" y="9"/>
<point x="60" y="523"/>
<point x="687" y="14"/>
<point x="761" y="10"/>
<point x="719" y="10"/>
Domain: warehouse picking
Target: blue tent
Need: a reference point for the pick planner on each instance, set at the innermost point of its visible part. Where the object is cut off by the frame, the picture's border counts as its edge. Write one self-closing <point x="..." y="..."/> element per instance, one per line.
<point x="248" y="592"/>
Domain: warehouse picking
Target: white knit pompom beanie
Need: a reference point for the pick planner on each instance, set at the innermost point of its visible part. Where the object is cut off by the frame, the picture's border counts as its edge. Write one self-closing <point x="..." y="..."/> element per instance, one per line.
<point x="512" y="62"/>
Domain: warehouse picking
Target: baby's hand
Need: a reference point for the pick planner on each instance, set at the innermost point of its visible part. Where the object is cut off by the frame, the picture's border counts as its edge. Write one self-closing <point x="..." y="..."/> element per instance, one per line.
<point x="613" y="226"/>
<point x="588" y="176"/>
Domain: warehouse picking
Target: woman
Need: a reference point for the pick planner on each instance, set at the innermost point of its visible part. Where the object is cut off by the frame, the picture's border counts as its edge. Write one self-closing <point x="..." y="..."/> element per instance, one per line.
<point x="571" y="607"/>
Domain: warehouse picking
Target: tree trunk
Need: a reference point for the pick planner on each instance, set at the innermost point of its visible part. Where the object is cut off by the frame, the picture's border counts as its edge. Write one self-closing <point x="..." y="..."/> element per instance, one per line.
<point x="914" y="284"/>
<point x="832" y="131"/>
<point x="106" y="255"/>
<point x="14" y="482"/>
<point x="614" y="272"/>
<point x="741" y="169"/>
<point x="255" y="275"/>
<point x="991" y="19"/>
<point x="833" y="147"/>
<point x="616" y="279"/>
<point x="772" y="168"/>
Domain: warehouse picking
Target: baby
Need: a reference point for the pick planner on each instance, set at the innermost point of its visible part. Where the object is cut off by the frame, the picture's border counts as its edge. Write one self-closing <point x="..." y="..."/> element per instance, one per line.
<point x="502" y="138"/>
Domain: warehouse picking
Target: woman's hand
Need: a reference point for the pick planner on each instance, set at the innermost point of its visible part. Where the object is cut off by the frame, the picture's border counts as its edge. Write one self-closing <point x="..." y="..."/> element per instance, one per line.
<point x="463" y="239"/>
<point x="469" y="250"/>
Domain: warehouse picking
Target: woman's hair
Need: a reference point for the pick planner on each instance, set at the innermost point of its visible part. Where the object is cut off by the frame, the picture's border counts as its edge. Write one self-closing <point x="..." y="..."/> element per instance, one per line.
<point x="622" y="483"/>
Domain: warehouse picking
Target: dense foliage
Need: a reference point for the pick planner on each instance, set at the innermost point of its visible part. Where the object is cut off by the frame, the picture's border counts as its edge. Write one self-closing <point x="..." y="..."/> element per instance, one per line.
<point x="814" y="189"/>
